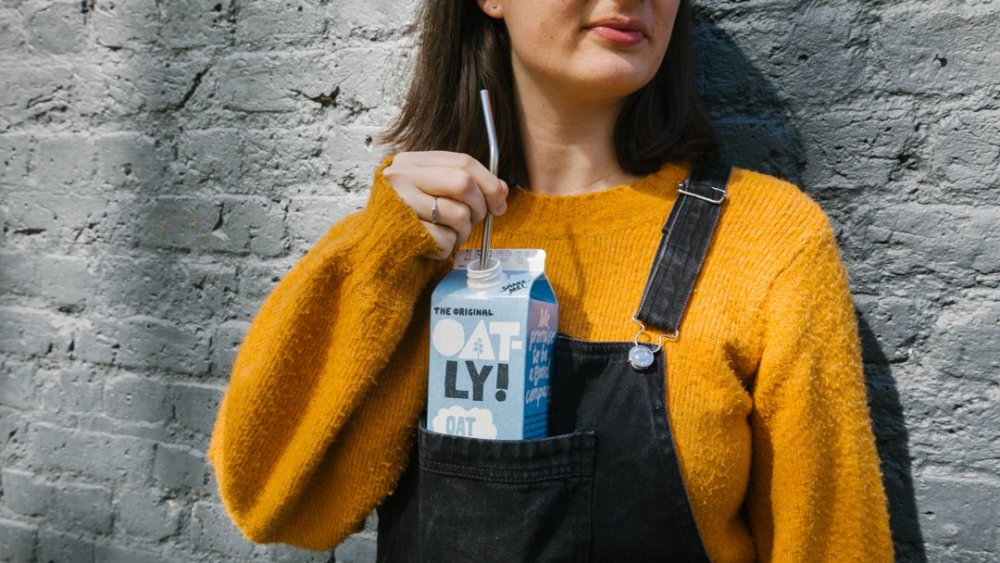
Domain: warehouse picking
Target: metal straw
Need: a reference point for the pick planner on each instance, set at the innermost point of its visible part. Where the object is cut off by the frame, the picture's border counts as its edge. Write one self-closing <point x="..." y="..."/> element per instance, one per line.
<point x="491" y="135"/>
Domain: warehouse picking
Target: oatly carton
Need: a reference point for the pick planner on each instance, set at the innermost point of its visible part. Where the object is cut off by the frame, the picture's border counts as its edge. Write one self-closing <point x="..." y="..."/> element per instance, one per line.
<point x="492" y="332"/>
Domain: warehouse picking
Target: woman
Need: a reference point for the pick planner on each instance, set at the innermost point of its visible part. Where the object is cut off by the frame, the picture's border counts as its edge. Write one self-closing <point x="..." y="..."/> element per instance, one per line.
<point x="751" y="441"/>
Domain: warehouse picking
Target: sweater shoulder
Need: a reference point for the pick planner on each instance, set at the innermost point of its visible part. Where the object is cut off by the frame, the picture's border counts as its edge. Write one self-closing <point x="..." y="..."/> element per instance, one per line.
<point x="778" y="201"/>
<point x="765" y="223"/>
<point x="772" y="215"/>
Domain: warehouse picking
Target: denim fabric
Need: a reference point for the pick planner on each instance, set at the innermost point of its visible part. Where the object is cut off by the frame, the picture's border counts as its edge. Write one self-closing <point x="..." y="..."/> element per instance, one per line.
<point x="605" y="487"/>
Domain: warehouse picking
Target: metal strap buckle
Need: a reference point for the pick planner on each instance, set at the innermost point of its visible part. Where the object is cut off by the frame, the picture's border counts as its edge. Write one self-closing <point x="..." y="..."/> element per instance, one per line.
<point x="682" y="188"/>
<point x="641" y="355"/>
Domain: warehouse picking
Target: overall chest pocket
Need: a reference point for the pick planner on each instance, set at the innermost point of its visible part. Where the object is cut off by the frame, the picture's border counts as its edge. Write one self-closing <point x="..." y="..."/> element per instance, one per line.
<point x="505" y="500"/>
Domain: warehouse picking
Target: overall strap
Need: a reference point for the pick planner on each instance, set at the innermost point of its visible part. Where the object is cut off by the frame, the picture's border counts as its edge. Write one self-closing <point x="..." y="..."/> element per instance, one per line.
<point x="686" y="237"/>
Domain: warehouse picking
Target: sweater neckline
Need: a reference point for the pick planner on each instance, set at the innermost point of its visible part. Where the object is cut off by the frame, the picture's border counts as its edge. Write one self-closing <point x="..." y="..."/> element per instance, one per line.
<point x="612" y="209"/>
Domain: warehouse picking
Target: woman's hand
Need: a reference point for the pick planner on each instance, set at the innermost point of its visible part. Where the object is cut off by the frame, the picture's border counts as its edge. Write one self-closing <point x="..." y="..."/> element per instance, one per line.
<point x="464" y="190"/>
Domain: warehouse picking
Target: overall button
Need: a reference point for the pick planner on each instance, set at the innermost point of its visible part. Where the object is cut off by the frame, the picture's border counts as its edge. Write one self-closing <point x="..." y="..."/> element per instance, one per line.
<point x="640" y="357"/>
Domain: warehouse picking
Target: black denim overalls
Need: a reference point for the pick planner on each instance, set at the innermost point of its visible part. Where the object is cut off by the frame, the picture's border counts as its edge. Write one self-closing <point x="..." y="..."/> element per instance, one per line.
<point x="606" y="485"/>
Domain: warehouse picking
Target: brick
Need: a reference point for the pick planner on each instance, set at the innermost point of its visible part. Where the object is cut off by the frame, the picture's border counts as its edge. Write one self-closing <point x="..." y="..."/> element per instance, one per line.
<point x="189" y="24"/>
<point x="896" y="325"/>
<point x="15" y="154"/>
<point x="376" y="20"/>
<point x="43" y="94"/>
<point x="17" y="541"/>
<point x="952" y="509"/>
<point x="265" y="82"/>
<point x="225" y="345"/>
<point x="210" y="155"/>
<point x="263" y="24"/>
<point x="358" y="548"/>
<point x="146" y="85"/>
<point x="62" y="281"/>
<point x="953" y="554"/>
<point x="851" y="146"/>
<point x="28" y="332"/>
<point x="761" y="152"/>
<point x="76" y="506"/>
<point x="136" y="398"/>
<point x="953" y="426"/>
<point x="130" y="159"/>
<point x="93" y="344"/>
<point x="254" y="285"/>
<point x="964" y="149"/>
<point x="234" y="225"/>
<point x="255" y="224"/>
<point x="150" y="342"/>
<point x="365" y="75"/>
<point x="178" y="222"/>
<point x="817" y="41"/>
<point x="949" y="242"/>
<point x="279" y="553"/>
<point x="177" y="467"/>
<point x="144" y="342"/>
<point x="309" y="218"/>
<point x="195" y="406"/>
<point x="64" y="162"/>
<point x="117" y="24"/>
<point x="970" y="333"/>
<point x="12" y="35"/>
<point x="54" y="217"/>
<point x="109" y="553"/>
<point x="57" y="28"/>
<point x="17" y="385"/>
<point x="353" y="153"/>
<point x="211" y="529"/>
<point x="69" y="389"/>
<point x="13" y="429"/>
<point x="164" y="286"/>
<point x="148" y="513"/>
<point x="82" y="507"/>
<point x="284" y="160"/>
<point x="24" y="494"/>
<point x="935" y="49"/>
<point x="55" y="545"/>
<point x="96" y="454"/>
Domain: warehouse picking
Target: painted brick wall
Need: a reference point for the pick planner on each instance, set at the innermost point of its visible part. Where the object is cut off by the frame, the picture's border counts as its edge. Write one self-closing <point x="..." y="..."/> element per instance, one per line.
<point x="163" y="163"/>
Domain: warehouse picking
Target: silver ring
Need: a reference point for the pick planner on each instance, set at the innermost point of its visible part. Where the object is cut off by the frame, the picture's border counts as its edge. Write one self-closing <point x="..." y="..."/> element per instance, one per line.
<point x="434" y="212"/>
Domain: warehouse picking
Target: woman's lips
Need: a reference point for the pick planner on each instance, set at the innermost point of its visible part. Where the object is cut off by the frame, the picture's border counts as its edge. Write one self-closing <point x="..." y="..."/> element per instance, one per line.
<point x="618" y="35"/>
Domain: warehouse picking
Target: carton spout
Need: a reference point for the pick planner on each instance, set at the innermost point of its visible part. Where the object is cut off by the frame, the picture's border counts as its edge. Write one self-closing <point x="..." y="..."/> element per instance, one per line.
<point x="480" y="278"/>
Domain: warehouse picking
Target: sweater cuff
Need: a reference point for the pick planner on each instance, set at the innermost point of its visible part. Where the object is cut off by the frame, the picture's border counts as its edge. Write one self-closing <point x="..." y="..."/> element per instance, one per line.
<point x="392" y="243"/>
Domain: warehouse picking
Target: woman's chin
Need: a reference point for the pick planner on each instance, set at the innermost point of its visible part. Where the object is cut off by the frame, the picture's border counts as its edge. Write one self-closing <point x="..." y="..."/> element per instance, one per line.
<point x="619" y="73"/>
<point x="614" y="85"/>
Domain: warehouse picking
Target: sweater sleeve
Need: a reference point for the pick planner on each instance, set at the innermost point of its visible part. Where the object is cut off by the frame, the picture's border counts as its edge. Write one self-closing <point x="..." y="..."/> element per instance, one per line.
<point x="815" y="490"/>
<point x="314" y="427"/>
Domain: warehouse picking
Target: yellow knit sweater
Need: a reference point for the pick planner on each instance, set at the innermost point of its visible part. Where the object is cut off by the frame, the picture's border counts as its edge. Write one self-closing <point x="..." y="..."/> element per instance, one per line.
<point x="765" y="393"/>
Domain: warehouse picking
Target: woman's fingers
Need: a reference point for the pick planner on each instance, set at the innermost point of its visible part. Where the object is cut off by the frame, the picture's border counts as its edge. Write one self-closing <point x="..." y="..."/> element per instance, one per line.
<point x="450" y="193"/>
<point x="449" y="213"/>
<point x="445" y="238"/>
<point x="455" y="215"/>
<point x="455" y="175"/>
<point x="452" y="184"/>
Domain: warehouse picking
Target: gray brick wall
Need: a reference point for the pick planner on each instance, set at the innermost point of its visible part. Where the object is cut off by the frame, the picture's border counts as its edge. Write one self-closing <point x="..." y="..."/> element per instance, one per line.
<point x="164" y="163"/>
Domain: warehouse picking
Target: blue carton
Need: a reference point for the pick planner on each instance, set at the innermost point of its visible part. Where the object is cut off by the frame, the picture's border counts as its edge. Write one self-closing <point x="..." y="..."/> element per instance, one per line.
<point x="491" y="348"/>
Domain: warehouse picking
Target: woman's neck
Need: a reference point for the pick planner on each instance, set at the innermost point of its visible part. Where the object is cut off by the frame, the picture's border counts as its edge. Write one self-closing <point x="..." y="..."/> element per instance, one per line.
<point x="569" y="146"/>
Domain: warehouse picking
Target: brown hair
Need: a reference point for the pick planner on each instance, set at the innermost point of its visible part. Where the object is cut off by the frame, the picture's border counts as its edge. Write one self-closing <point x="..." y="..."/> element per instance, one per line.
<point x="462" y="50"/>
